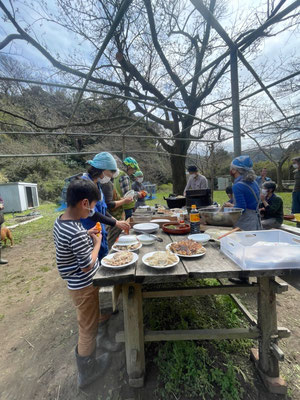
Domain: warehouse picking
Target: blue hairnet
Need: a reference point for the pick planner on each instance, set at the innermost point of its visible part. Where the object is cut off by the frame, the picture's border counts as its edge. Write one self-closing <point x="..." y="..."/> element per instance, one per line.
<point x="103" y="160"/>
<point x="244" y="162"/>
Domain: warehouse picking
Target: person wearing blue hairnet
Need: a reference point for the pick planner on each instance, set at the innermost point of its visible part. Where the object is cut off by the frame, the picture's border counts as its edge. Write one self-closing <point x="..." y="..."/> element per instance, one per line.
<point x="246" y="195"/>
<point x="101" y="169"/>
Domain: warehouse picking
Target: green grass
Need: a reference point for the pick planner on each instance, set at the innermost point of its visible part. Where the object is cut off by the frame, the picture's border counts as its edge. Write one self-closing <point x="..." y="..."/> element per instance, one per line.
<point x="196" y="369"/>
<point x="36" y="228"/>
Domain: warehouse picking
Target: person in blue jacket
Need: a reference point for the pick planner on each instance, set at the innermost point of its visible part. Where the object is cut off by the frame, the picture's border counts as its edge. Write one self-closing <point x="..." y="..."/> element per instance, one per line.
<point x="246" y="194"/>
<point x="102" y="168"/>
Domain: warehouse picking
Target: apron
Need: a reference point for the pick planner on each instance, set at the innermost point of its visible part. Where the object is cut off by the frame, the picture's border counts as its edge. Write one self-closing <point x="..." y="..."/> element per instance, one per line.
<point x="87" y="223"/>
<point x="250" y="219"/>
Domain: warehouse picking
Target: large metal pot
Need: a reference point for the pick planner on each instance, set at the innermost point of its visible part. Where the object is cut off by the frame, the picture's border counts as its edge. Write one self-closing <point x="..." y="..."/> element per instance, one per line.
<point x="213" y="216"/>
<point x="175" y="202"/>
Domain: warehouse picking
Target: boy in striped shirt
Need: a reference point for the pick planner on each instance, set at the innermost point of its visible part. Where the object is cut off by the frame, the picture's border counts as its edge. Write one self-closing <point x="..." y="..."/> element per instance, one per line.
<point x="77" y="262"/>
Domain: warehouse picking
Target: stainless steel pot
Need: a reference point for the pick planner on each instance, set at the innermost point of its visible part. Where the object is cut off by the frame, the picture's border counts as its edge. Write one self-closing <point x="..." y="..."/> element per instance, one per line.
<point x="213" y="216"/>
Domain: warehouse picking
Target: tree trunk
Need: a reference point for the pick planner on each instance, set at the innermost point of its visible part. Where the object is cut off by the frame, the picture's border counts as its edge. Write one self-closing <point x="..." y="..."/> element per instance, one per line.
<point x="178" y="174"/>
<point x="279" y="177"/>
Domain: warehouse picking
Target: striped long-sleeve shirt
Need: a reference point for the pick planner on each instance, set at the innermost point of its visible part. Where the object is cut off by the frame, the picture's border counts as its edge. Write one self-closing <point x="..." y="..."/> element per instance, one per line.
<point x="73" y="253"/>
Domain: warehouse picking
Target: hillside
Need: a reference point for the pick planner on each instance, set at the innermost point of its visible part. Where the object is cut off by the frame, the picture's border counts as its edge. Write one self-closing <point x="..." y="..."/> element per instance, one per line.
<point x="48" y="113"/>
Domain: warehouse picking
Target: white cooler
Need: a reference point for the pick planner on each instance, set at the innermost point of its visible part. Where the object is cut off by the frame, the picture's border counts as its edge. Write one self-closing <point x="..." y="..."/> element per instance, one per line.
<point x="254" y="250"/>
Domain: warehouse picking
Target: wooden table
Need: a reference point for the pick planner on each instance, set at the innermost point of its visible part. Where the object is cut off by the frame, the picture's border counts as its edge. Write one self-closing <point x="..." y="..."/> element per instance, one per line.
<point x="134" y="279"/>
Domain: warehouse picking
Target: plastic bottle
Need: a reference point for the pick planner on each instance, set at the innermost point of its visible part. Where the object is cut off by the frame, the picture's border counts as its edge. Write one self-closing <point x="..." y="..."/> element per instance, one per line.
<point x="194" y="220"/>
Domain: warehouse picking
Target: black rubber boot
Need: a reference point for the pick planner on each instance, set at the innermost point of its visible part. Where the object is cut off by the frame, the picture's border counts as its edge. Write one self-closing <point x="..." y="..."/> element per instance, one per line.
<point x="240" y="281"/>
<point x="90" y="367"/>
<point x="2" y="262"/>
<point x="104" y="342"/>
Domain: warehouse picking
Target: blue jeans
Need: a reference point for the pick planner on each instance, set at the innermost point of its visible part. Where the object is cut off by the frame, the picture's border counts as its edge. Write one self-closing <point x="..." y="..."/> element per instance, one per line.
<point x="128" y="213"/>
<point x="295" y="202"/>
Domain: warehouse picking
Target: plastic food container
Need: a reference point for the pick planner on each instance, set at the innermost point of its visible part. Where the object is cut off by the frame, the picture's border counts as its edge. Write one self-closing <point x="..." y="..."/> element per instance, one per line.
<point x="255" y="250"/>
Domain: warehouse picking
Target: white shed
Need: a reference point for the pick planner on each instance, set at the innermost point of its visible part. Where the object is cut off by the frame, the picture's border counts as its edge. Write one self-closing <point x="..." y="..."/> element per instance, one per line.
<point x="223" y="182"/>
<point x="19" y="196"/>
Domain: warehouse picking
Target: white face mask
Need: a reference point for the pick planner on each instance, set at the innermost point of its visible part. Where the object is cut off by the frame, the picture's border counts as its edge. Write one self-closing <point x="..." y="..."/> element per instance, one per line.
<point x="264" y="192"/>
<point x="91" y="211"/>
<point x="116" y="174"/>
<point x="295" y="166"/>
<point x="140" y="180"/>
<point x="105" y="179"/>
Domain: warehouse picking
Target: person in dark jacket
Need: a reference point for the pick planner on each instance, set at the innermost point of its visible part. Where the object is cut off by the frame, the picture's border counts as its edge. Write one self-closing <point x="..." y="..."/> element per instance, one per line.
<point x="2" y="261"/>
<point x="296" y="191"/>
<point x="271" y="207"/>
<point x="138" y="186"/>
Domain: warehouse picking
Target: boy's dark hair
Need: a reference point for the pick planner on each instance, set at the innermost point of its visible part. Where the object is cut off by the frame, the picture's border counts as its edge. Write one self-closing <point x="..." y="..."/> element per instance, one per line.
<point x="228" y="190"/>
<point x="192" y="168"/>
<point x="269" y="185"/>
<point x="80" y="189"/>
<point x="94" y="172"/>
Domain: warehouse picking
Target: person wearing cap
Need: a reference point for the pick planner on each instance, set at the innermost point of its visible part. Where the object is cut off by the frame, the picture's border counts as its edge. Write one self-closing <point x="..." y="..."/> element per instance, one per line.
<point x="196" y="181"/>
<point x="123" y="185"/>
<point x="271" y="206"/>
<point x="102" y="168"/>
<point x="138" y="186"/>
<point x="296" y="190"/>
<point x="263" y="177"/>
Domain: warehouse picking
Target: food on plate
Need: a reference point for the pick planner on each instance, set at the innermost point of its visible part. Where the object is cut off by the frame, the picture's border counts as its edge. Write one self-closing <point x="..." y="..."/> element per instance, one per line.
<point x="121" y="258"/>
<point x="215" y="233"/>
<point x="127" y="246"/>
<point x="172" y="227"/>
<point x="187" y="248"/>
<point x="161" y="259"/>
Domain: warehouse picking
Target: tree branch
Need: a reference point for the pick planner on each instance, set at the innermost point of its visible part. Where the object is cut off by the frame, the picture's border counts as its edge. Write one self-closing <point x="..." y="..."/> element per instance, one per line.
<point x="175" y="78"/>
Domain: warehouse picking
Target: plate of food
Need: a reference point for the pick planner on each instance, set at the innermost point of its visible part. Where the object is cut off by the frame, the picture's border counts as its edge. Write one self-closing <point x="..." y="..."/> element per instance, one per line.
<point x="160" y="259"/>
<point x="119" y="260"/>
<point x="129" y="247"/>
<point x="186" y="248"/>
<point x="215" y="233"/>
<point x="174" y="228"/>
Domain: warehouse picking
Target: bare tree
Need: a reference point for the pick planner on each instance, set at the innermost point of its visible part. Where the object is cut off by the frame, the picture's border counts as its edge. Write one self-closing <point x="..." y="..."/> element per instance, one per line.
<point x="163" y="52"/>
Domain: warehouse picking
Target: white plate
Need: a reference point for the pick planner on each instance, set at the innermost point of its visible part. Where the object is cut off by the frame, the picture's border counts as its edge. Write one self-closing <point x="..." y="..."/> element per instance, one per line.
<point x="157" y="220"/>
<point x="144" y="259"/>
<point x="199" y="237"/>
<point x="118" y="244"/>
<point x="145" y="239"/>
<point x="146" y="227"/>
<point x="103" y="263"/>
<point x="181" y="255"/>
<point x="127" y="239"/>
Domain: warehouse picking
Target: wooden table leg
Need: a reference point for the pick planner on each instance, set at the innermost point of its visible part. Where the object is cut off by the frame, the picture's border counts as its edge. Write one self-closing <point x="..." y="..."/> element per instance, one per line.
<point x="134" y="333"/>
<point x="265" y="360"/>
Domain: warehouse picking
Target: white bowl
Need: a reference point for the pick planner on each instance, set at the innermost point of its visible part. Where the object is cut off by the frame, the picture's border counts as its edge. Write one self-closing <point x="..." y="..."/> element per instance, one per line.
<point x="200" y="237"/>
<point x="127" y="239"/>
<point x="146" y="240"/>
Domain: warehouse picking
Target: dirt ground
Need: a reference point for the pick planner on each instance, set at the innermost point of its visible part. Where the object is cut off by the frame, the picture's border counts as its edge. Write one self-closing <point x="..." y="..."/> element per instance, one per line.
<point x="39" y="334"/>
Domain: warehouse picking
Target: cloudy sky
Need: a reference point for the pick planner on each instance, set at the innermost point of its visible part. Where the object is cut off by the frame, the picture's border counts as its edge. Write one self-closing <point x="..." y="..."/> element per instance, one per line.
<point x="63" y="43"/>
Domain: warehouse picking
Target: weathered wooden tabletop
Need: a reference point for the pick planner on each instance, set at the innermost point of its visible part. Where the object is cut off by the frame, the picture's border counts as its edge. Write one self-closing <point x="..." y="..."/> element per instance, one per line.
<point x="213" y="264"/>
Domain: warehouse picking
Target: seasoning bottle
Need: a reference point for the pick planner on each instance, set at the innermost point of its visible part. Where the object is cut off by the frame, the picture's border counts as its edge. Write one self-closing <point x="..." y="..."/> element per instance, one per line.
<point x="194" y="220"/>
